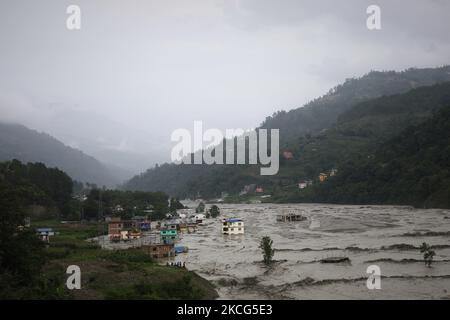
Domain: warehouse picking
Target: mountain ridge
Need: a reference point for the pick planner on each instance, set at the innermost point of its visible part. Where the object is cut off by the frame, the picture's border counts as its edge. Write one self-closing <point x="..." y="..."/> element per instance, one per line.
<point x="28" y="145"/>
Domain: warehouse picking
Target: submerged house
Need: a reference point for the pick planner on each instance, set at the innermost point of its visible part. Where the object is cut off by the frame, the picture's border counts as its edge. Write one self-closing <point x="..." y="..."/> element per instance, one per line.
<point x="168" y="236"/>
<point x="290" y="217"/>
<point x="159" y="250"/>
<point x="233" y="226"/>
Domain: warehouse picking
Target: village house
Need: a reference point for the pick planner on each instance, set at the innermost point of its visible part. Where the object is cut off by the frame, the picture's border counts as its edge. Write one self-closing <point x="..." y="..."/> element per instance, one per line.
<point x="259" y="190"/>
<point x="125" y="230"/>
<point x="304" y="184"/>
<point x="233" y="226"/>
<point x="248" y="189"/>
<point x="183" y="227"/>
<point x="115" y="226"/>
<point x="323" y="177"/>
<point x="168" y="236"/>
<point x="159" y="250"/>
<point x="288" y="155"/>
<point x="141" y="223"/>
<point x="333" y="172"/>
<point x="45" y="233"/>
<point x="191" y="227"/>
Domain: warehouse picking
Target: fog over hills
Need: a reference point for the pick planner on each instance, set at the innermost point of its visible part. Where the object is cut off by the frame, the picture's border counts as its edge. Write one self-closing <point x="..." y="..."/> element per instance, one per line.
<point x="19" y="142"/>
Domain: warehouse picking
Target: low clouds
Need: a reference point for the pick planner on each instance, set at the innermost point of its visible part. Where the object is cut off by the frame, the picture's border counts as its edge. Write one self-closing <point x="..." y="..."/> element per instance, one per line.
<point x="139" y="69"/>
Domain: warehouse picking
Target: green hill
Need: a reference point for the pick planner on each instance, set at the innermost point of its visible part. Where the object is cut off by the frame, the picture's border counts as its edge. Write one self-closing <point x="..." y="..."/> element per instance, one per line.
<point x="19" y="142"/>
<point x="411" y="168"/>
<point x="356" y="123"/>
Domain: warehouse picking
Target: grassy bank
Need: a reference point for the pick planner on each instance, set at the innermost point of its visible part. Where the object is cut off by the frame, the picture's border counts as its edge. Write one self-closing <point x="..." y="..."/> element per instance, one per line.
<point x="120" y="274"/>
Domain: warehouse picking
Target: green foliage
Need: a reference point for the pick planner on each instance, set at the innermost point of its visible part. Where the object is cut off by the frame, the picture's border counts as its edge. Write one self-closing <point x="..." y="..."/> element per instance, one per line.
<point x="175" y="204"/>
<point x="428" y="254"/>
<point x="214" y="211"/>
<point x="200" y="208"/>
<point x="132" y="203"/>
<point x="22" y="254"/>
<point x="128" y="256"/>
<point x="179" y="289"/>
<point x="411" y="168"/>
<point x="35" y="184"/>
<point x="267" y="251"/>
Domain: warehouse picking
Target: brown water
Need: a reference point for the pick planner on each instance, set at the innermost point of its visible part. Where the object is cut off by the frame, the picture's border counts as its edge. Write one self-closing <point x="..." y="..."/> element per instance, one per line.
<point x="386" y="236"/>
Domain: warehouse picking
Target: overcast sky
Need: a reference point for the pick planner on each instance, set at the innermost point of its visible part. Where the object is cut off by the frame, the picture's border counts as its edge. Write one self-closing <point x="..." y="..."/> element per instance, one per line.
<point x="137" y="70"/>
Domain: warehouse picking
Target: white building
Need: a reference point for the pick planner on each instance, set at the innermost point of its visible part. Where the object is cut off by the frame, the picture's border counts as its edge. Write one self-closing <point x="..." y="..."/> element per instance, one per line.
<point x="199" y="217"/>
<point x="233" y="226"/>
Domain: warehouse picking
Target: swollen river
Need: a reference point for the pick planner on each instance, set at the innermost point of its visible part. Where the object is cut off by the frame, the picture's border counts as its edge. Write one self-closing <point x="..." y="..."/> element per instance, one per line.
<point x="386" y="236"/>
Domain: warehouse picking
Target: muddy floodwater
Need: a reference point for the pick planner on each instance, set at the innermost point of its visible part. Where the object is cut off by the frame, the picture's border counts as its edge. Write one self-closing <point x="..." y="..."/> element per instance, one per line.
<point x="386" y="236"/>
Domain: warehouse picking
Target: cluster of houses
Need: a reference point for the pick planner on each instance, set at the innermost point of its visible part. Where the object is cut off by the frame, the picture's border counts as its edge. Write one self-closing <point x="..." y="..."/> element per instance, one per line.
<point x="124" y="230"/>
<point x="161" y="237"/>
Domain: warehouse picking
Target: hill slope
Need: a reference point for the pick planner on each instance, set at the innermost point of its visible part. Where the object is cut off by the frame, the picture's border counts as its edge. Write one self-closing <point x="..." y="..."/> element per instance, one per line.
<point x="19" y="142"/>
<point x="411" y="168"/>
<point x="322" y="135"/>
<point x="321" y="113"/>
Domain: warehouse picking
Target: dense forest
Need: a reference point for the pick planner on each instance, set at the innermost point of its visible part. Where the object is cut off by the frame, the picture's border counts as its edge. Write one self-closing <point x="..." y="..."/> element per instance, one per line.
<point x="346" y="124"/>
<point x="33" y="269"/>
<point x="411" y="168"/>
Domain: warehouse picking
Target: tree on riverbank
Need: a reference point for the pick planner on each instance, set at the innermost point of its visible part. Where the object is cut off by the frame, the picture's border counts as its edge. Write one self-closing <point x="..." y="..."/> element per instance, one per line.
<point x="428" y="254"/>
<point x="214" y="211"/>
<point x="267" y="251"/>
<point x="200" y="208"/>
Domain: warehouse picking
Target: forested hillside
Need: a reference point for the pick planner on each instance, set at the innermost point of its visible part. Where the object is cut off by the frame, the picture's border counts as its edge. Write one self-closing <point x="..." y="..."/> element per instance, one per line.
<point x="354" y="125"/>
<point x="412" y="168"/>
<point x="321" y="113"/>
<point x="19" y="142"/>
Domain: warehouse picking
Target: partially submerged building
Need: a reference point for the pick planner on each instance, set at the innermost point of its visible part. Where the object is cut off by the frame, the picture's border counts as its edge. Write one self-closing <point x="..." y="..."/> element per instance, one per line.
<point x="168" y="236"/>
<point x="290" y="217"/>
<point x="233" y="226"/>
<point x="159" y="250"/>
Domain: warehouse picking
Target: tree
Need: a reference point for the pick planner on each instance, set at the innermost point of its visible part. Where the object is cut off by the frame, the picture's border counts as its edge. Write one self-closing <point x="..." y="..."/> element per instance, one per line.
<point x="175" y="204"/>
<point x="267" y="251"/>
<point x="200" y="208"/>
<point x="214" y="211"/>
<point x="22" y="254"/>
<point x="428" y="254"/>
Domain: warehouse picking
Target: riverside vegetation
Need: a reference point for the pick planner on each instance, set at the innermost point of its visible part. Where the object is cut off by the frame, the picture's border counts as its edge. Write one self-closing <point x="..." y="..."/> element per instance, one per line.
<point x="29" y="269"/>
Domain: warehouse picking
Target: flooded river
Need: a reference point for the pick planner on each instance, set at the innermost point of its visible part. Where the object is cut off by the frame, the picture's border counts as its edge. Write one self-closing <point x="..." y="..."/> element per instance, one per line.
<point x="386" y="236"/>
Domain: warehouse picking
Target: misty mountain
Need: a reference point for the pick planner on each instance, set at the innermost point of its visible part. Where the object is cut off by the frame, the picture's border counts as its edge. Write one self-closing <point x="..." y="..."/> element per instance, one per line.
<point x="348" y="121"/>
<point x="19" y="142"/>
<point x="321" y="113"/>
